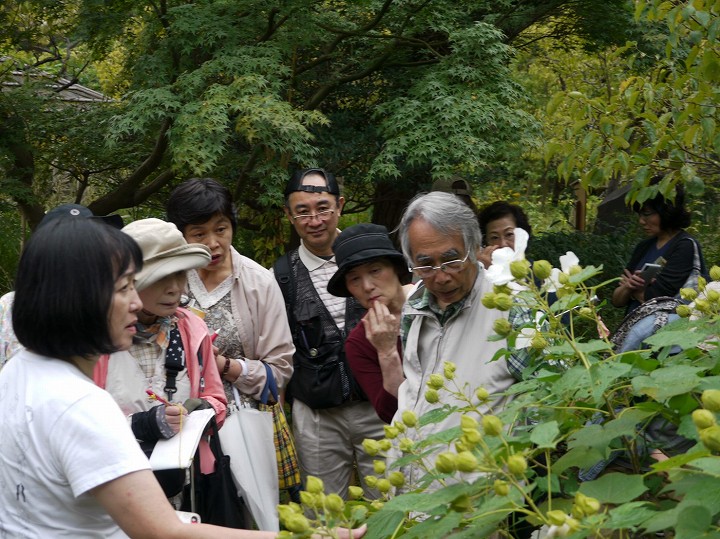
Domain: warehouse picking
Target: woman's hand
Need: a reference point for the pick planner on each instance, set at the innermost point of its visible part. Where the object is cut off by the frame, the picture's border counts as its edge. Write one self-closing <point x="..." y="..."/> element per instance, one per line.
<point x="175" y="414"/>
<point x="344" y="533"/>
<point x="484" y="255"/>
<point x="381" y="328"/>
<point x="633" y="281"/>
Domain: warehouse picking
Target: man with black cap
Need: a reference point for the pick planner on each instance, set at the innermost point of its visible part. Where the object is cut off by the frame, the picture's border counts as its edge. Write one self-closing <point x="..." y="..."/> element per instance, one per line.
<point x="331" y="416"/>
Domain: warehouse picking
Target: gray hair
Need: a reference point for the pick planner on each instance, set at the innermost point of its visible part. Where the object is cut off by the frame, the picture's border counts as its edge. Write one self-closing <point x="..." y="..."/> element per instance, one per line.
<point x="447" y="214"/>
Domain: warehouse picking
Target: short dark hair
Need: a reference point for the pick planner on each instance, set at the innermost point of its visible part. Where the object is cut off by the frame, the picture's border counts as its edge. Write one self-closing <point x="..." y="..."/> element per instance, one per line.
<point x="498" y="210"/>
<point x="673" y="214"/>
<point x="65" y="285"/>
<point x="197" y="200"/>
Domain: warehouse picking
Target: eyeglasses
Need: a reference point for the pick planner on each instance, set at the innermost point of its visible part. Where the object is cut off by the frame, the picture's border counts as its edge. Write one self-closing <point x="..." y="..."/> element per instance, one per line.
<point x="452" y="266"/>
<point x="323" y="215"/>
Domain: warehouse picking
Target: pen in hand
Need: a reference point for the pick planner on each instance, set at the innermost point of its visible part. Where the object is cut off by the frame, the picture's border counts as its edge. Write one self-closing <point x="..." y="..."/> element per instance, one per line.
<point x="157" y="397"/>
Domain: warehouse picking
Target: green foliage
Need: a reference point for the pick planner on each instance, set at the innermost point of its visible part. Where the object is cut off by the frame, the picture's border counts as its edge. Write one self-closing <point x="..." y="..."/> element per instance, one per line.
<point x="656" y="122"/>
<point x="655" y="410"/>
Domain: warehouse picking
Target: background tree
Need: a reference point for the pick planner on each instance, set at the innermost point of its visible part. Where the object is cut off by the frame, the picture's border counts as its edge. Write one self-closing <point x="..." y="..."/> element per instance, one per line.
<point x="389" y="95"/>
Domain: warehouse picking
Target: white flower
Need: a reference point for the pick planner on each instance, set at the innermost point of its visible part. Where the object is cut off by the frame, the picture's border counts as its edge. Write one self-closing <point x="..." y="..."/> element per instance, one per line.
<point x="499" y="272"/>
<point x="567" y="261"/>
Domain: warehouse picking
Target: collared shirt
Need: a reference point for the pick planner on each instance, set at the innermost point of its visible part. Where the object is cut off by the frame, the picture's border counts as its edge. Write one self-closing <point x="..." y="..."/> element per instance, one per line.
<point x="321" y="270"/>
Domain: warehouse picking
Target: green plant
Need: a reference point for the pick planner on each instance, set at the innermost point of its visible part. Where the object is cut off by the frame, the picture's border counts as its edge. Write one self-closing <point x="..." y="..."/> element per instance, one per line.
<point x="648" y="416"/>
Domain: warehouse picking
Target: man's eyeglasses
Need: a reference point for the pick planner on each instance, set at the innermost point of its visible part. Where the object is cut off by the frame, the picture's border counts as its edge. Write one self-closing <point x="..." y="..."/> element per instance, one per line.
<point x="323" y="215"/>
<point x="452" y="266"/>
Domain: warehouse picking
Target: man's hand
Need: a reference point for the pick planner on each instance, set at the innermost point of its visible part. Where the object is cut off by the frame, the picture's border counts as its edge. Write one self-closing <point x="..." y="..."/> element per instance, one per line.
<point x="175" y="415"/>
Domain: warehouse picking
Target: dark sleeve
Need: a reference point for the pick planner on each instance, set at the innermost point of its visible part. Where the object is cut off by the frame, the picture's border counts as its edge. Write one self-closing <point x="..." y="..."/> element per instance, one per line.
<point x="145" y="427"/>
<point x="363" y="361"/>
<point x="637" y="255"/>
<point x="678" y="266"/>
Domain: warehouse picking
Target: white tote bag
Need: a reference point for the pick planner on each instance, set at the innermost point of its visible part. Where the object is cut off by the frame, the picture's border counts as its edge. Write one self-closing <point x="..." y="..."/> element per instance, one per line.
<point x="247" y="436"/>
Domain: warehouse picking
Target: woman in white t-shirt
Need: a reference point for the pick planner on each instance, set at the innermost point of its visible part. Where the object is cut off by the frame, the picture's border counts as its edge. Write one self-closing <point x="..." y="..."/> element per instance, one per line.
<point x="69" y="464"/>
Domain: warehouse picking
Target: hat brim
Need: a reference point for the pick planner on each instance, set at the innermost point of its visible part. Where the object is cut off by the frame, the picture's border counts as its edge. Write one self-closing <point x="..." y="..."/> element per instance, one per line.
<point x="182" y="258"/>
<point x="336" y="284"/>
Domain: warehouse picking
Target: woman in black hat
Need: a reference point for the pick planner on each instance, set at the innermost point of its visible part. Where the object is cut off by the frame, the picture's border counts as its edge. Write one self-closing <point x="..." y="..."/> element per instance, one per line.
<point x="374" y="272"/>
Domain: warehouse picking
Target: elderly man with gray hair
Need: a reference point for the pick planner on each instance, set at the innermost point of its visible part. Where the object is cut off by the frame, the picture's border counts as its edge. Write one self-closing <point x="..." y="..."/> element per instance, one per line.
<point x="444" y="318"/>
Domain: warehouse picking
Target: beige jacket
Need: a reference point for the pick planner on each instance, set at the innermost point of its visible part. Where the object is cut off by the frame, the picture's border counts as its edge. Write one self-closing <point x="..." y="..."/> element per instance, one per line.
<point x="259" y="307"/>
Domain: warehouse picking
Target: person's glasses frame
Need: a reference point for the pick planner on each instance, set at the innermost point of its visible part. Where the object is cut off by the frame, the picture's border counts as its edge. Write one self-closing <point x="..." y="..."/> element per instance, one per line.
<point x="323" y="215"/>
<point x="451" y="266"/>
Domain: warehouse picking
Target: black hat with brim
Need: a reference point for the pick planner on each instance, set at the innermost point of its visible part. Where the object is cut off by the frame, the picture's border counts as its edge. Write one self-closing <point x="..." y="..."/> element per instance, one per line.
<point x="360" y="244"/>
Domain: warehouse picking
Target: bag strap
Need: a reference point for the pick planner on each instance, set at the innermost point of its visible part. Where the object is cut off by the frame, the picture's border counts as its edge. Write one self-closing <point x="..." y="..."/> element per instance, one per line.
<point x="284" y="277"/>
<point x="270" y="386"/>
<point x="174" y="362"/>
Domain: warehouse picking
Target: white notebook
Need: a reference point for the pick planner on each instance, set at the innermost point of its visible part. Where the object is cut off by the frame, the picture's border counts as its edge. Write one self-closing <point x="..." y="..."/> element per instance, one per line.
<point x="178" y="451"/>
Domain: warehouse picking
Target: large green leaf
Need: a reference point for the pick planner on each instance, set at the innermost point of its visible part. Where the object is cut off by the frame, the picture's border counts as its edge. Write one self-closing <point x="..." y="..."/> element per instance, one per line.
<point x="384" y="523"/>
<point x="630" y="515"/>
<point x="545" y="435"/>
<point x="615" y="488"/>
<point x="667" y="382"/>
<point x="435" y="526"/>
<point x="578" y="457"/>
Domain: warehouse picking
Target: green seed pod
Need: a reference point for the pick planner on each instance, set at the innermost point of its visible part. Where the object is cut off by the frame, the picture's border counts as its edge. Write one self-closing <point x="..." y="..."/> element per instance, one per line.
<point x="710" y="437"/>
<point x="449" y="373"/>
<point x="385" y="444"/>
<point x="285" y="512"/>
<point x="711" y="399"/>
<point x="590" y="506"/>
<point x="383" y="485"/>
<point x="712" y="295"/>
<point x="409" y="418"/>
<point x="517" y="464"/>
<point x="488" y="300"/>
<point x="503" y="302"/>
<point x="432" y="396"/>
<point x="688" y="294"/>
<point x="702" y="283"/>
<point x="585" y="312"/>
<point x="379" y="466"/>
<point x="334" y="503"/>
<point x="502" y="327"/>
<point x="468" y="422"/>
<point x="501" y="487"/>
<point x="519" y="268"/>
<point x="355" y="492"/>
<point x="703" y="419"/>
<point x="563" y="278"/>
<point x="308" y="498"/>
<point x="377" y="505"/>
<point x="542" y="269"/>
<point x="574" y="270"/>
<point x="406" y="445"/>
<point x="435" y="381"/>
<point x="501" y="289"/>
<point x="446" y="462"/>
<point x="702" y="305"/>
<point x="390" y="432"/>
<point x="397" y="479"/>
<point x="683" y="311"/>
<point x="482" y="394"/>
<point x="467" y="462"/>
<point x="538" y="342"/>
<point x="471" y="437"/>
<point x="371" y="481"/>
<point x="449" y="365"/>
<point x="715" y="273"/>
<point x="556" y="517"/>
<point x="371" y="447"/>
<point x="314" y="485"/>
<point x="297" y="524"/>
<point x="492" y="425"/>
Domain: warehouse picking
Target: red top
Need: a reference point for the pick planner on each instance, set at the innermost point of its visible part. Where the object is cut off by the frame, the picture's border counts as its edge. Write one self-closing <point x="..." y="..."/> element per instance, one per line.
<point x="363" y="360"/>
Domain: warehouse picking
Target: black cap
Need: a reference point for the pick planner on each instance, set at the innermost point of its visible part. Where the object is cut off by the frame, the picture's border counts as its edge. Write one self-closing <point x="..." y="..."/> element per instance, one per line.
<point x="360" y="244"/>
<point x="295" y="183"/>
<point x="77" y="210"/>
